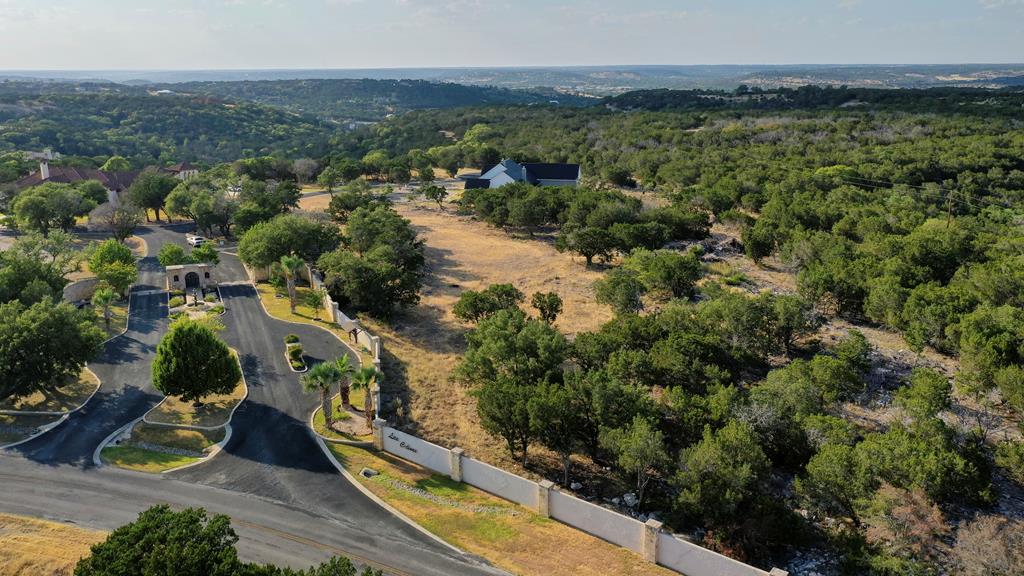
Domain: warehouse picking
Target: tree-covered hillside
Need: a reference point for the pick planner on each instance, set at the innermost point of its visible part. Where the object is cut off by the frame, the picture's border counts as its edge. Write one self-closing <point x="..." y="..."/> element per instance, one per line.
<point x="149" y="128"/>
<point x="369" y="99"/>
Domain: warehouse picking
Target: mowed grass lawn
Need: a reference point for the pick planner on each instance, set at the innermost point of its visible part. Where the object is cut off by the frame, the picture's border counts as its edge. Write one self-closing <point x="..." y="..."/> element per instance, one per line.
<point x="64" y="399"/>
<point x="508" y="535"/>
<point x="134" y="454"/>
<point x="32" y="547"/>
<point x="279" y="308"/>
<point x="143" y="460"/>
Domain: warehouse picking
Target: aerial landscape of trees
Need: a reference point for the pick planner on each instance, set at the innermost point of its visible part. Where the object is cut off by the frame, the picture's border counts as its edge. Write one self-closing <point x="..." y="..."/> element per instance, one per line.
<point x="759" y="417"/>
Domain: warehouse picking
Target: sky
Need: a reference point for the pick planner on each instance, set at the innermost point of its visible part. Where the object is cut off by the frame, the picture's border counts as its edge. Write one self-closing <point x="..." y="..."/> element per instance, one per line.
<point x="246" y="34"/>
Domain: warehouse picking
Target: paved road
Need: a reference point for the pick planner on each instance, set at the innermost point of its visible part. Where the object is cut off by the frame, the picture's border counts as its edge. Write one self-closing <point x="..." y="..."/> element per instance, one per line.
<point x="289" y="503"/>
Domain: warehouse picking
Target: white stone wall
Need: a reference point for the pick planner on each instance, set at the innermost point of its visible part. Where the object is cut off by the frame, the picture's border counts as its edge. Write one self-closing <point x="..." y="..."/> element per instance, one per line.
<point x="499" y="482"/>
<point x="694" y="560"/>
<point x="419" y="451"/>
<point x="593" y="519"/>
<point x="80" y="290"/>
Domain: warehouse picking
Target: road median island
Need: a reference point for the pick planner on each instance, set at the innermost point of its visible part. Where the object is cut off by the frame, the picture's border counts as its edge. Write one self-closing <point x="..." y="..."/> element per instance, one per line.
<point x="27" y="417"/>
<point x="279" y="308"/>
<point x="510" y="536"/>
<point x="342" y="419"/>
<point x="175" y="434"/>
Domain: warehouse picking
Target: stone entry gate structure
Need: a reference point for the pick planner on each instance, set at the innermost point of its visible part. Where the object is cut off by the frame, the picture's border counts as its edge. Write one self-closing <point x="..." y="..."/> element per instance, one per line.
<point x="190" y="277"/>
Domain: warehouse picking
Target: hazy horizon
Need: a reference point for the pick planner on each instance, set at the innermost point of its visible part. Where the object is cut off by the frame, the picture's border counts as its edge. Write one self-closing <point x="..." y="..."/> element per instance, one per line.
<point x="358" y="34"/>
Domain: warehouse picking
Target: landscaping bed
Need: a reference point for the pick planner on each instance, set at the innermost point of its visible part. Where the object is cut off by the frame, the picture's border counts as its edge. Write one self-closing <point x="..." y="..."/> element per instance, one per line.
<point x="118" y="318"/>
<point x="346" y="422"/>
<point x="22" y="418"/>
<point x="178" y="302"/>
<point x="293" y="353"/>
<point x="155" y="448"/>
<point x="279" y="308"/>
<point x="215" y="412"/>
<point x="510" y="536"/>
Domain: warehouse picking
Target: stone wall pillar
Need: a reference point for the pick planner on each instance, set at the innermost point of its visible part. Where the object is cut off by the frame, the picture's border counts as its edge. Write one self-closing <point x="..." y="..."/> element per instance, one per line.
<point x="544" y="488"/>
<point x="456" y="463"/>
<point x="649" y="546"/>
<point x="378" y="433"/>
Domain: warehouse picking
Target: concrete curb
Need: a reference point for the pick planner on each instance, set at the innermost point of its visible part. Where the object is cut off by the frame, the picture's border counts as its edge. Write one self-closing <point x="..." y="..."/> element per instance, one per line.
<point x="366" y="491"/>
<point x="97" y="460"/>
<point x="41" y="430"/>
<point x="214" y="450"/>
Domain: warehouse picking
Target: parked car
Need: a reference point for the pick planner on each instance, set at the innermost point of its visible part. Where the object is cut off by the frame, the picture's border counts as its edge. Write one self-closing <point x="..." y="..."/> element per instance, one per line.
<point x="194" y="240"/>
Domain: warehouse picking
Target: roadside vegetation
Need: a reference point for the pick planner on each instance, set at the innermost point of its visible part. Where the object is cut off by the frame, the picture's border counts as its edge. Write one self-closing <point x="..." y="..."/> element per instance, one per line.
<point x="203" y="384"/>
<point x="508" y="535"/>
<point x="32" y="547"/>
<point x="194" y="543"/>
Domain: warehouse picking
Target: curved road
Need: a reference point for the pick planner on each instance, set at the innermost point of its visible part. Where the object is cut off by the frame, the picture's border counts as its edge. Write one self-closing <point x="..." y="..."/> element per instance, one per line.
<point x="289" y="504"/>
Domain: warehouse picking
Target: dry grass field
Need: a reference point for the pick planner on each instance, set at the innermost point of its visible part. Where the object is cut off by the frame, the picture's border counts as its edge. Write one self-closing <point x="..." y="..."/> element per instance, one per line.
<point x="31" y="547"/>
<point x="423" y="345"/>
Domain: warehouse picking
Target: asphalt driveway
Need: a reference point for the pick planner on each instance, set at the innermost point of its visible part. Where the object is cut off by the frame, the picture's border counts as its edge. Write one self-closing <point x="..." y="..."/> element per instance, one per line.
<point x="289" y="503"/>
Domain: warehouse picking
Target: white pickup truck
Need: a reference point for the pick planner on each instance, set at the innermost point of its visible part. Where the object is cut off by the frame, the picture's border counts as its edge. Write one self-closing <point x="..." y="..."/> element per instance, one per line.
<point x="194" y="240"/>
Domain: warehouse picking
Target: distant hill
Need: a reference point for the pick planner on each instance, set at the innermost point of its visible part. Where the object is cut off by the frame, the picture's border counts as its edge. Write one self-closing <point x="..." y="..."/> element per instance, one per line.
<point x="606" y="80"/>
<point x="220" y="121"/>
<point x="934" y="100"/>
<point x="366" y="99"/>
<point x="103" y="120"/>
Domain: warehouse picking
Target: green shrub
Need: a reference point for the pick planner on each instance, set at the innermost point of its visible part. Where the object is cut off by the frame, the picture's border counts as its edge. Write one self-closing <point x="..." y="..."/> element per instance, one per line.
<point x="297" y="364"/>
<point x="1010" y="457"/>
<point x="177" y="293"/>
<point x="291" y="339"/>
<point x="210" y="297"/>
<point x="217" y="309"/>
<point x="295" y="353"/>
<point x="176" y="301"/>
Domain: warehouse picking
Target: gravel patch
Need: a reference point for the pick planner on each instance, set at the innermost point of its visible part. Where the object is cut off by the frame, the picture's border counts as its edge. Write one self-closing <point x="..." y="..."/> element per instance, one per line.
<point x="441" y="500"/>
<point x="168" y="450"/>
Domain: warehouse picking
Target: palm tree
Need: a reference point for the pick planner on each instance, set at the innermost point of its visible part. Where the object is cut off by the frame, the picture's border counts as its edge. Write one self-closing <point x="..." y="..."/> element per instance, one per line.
<point x="104" y="298"/>
<point x="320" y="378"/>
<point x="290" y="266"/>
<point x="345" y="370"/>
<point x="364" y="379"/>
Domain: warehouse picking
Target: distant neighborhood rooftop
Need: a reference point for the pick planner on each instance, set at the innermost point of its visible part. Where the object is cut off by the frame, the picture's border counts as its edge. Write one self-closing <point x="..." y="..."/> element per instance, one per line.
<point x="536" y="173"/>
<point x="112" y="181"/>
